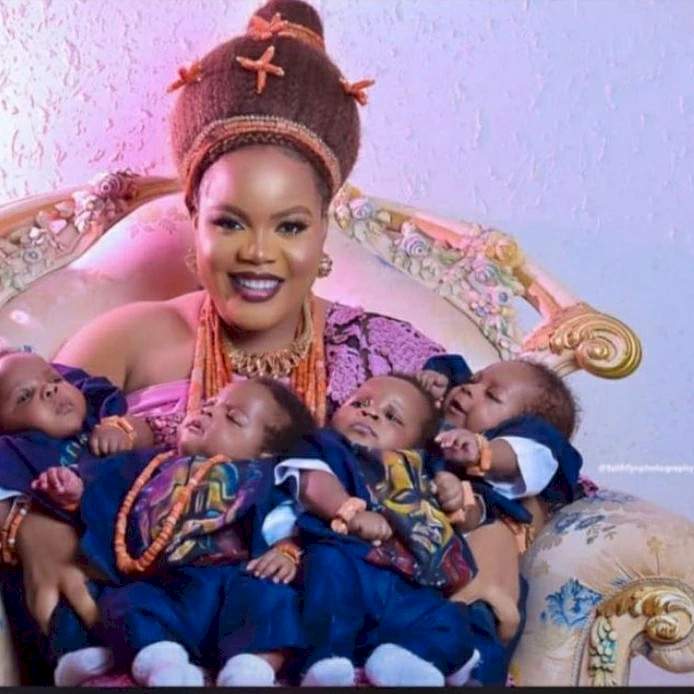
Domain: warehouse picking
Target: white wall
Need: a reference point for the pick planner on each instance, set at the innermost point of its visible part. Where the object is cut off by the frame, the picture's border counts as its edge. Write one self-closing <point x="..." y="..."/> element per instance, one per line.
<point x="567" y="124"/>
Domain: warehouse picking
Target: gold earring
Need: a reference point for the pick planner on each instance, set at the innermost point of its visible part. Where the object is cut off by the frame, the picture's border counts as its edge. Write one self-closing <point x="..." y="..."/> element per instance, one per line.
<point x="325" y="266"/>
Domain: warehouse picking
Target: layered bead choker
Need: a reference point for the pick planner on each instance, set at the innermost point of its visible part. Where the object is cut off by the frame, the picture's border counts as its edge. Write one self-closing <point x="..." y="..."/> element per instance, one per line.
<point x="279" y="363"/>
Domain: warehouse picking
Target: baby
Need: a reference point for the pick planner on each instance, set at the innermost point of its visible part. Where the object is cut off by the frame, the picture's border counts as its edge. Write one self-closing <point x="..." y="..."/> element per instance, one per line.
<point x="362" y="482"/>
<point x="182" y="607"/>
<point x="51" y="415"/>
<point x="507" y="428"/>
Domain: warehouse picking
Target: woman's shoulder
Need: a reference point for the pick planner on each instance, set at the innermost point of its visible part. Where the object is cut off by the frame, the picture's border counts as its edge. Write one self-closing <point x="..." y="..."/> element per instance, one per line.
<point x="116" y="343"/>
<point x="141" y="319"/>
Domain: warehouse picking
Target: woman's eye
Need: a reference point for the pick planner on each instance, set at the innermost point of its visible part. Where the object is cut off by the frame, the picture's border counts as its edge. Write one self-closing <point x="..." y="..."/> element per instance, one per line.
<point x="229" y="224"/>
<point x="356" y="403"/>
<point x="292" y="228"/>
<point x="493" y="396"/>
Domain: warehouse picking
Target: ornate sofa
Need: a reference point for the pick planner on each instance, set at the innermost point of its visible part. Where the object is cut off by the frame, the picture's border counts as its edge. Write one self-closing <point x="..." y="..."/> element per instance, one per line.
<point x="610" y="575"/>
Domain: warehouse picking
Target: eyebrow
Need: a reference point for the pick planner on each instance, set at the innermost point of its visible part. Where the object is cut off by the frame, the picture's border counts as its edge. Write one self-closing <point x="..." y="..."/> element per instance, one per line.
<point x="232" y="209"/>
<point x="292" y="210"/>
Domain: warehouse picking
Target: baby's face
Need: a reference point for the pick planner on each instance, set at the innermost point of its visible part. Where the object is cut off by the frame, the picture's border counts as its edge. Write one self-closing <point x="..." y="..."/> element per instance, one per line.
<point x="385" y="413"/>
<point x="33" y="395"/>
<point x="234" y="424"/>
<point x="499" y="392"/>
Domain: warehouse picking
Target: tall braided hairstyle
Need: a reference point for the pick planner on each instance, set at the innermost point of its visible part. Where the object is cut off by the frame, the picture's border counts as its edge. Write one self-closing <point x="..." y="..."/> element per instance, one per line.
<point x="308" y="108"/>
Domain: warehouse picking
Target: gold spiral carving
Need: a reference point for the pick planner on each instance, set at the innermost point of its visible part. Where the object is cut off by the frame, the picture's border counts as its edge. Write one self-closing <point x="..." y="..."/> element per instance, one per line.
<point x="669" y="615"/>
<point x="601" y="344"/>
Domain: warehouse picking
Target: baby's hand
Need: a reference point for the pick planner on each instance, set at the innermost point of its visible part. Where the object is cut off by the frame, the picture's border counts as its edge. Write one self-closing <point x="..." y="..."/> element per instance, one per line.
<point x="370" y="526"/>
<point x="61" y="485"/>
<point x="449" y="492"/>
<point x="275" y="565"/>
<point x="106" y="439"/>
<point x="435" y="383"/>
<point x="459" y="446"/>
<point x="457" y="499"/>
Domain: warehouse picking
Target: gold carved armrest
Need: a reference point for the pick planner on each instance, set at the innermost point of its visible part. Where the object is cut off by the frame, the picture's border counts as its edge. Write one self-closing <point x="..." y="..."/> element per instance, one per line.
<point x="481" y="271"/>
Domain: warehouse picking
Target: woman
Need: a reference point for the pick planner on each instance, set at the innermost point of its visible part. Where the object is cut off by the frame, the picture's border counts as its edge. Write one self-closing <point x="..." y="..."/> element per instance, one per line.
<point x="265" y="130"/>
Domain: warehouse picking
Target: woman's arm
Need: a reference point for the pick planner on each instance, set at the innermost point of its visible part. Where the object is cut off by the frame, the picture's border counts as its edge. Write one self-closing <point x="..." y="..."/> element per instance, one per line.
<point x="101" y="347"/>
<point x="47" y="551"/>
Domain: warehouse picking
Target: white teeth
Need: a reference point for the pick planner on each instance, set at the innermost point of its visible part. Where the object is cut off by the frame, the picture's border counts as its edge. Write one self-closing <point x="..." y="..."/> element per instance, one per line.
<point x="257" y="285"/>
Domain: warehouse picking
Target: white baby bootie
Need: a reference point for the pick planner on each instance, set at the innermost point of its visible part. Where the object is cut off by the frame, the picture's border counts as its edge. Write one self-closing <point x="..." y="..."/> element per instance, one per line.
<point x="330" y="672"/>
<point x="166" y="664"/>
<point x="393" y="666"/>
<point x="246" y="670"/>
<point x="79" y="666"/>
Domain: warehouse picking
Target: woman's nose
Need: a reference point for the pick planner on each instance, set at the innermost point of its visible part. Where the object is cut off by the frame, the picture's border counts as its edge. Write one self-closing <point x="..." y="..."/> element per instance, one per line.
<point x="257" y="249"/>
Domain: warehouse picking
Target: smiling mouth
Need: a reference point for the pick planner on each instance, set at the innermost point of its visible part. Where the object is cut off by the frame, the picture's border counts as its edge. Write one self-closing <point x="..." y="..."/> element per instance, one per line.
<point x="254" y="287"/>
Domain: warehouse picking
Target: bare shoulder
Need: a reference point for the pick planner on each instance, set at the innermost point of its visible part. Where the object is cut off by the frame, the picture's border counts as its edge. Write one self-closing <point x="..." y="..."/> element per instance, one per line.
<point x="138" y="344"/>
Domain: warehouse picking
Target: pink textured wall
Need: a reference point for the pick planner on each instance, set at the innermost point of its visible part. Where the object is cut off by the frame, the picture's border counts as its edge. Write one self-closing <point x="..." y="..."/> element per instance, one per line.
<point x="567" y="124"/>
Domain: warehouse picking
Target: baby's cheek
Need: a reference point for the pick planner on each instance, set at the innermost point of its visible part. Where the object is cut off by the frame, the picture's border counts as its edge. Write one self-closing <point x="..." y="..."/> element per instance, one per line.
<point x="341" y="419"/>
<point x="217" y="440"/>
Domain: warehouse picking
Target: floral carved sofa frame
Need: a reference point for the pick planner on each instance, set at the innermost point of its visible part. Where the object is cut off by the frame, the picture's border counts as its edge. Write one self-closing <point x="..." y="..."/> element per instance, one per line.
<point x="610" y="575"/>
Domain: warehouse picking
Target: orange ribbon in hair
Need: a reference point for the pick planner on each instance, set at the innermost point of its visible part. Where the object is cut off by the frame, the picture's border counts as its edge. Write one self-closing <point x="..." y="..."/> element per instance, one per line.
<point x="262" y="67"/>
<point x="262" y="30"/>
<point x="357" y="89"/>
<point x="187" y="75"/>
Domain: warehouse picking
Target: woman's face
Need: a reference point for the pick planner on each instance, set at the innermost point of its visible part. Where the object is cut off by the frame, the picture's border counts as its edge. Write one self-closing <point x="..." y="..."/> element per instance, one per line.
<point x="260" y="231"/>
